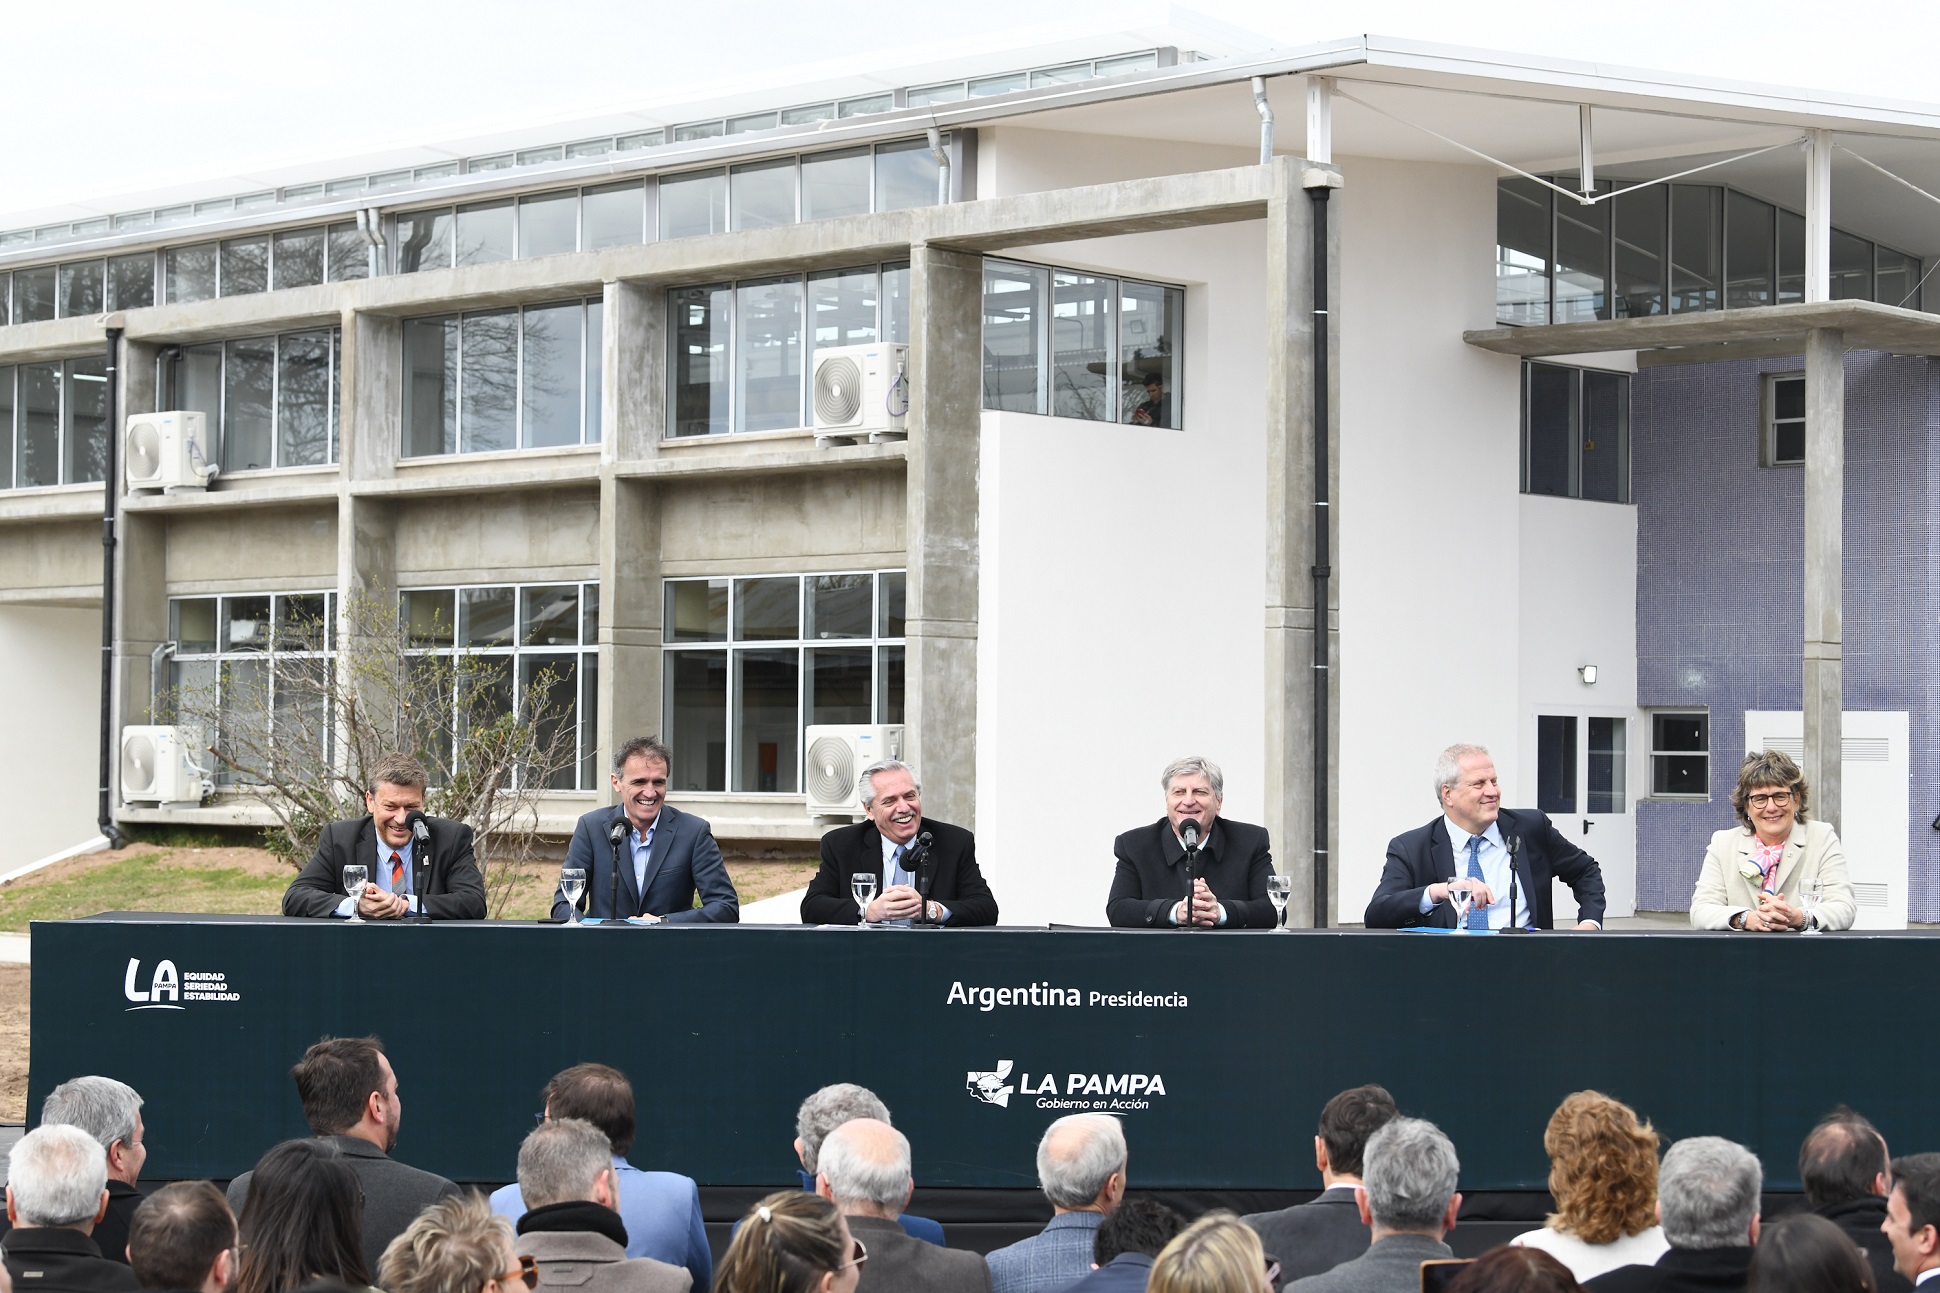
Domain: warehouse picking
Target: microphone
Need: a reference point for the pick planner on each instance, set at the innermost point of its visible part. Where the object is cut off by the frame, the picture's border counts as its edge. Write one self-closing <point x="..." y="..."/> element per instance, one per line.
<point x="1513" y="843"/>
<point x="925" y="875"/>
<point x="1189" y="836"/>
<point x="420" y="857"/>
<point x="616" y="836"/>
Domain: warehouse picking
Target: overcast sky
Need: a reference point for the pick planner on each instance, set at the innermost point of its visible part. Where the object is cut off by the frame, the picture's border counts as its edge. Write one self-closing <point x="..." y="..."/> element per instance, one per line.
<point x="113" y="96"/>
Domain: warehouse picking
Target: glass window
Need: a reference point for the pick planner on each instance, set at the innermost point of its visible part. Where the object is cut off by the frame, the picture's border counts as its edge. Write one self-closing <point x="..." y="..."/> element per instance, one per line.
<point x="842" y="307"/>
<point x="768" y="355"/>
<point x="905" y="175"/>
<point x="489" y="381"/>
<point x="1522" y="251"/>
<point x="1604" y="471"/>
<point x="349" y="255"/>
<point x="299" y="258"/>
<point x="1791" y="257"/>
<point x="1896" y="280"/>
<point x="1697" y="234"/>
<point x="245" y="266"/>
<point x="84" y="412"/>
<point x="590" y="148"/>
<point x="549" y="615"/>
<point x="612" y="216"/>
<point x="835" y="184"/>
<point x="868" y="103"/>
<point x="595" y="367"/>
<point x="697" y="709"/>
<point x="304" y="391"/>
<point x="1582" y="260"/>
<point x="641" y="139"/>
<point x="1083" y="336"/>
<point x="1149" y="319"/>
<point x="1608" y="792"/>
<point x="195" y="379"/>
<point x="889" y="607"/>
<point x="423" y="241"/>
<point x="895" y="303"/>
<point x="1002" y="84"/>
<point x="750" y="123"/>
<point x="889" y="683"/>
<point x="496" y="162"/>
<point x="534" y="156"/>
<point x="841" y="606"/>
<point x="248" y="386"/>
<point x="1145" y="62"/>
<point x="1549" y="429"/>
<point x="430" y="617"/>
<point x="190" y="273"/>
<point x="484" y="234"/>
<point x="485" y="616"/>
<point x="695" y="203"/>
<point x="83" y="288"/>
<point x="38" y="404"/>
<point x="245" y="623"/>
<point x="699" y="130"/>
<point x="1784" y="402"/>
<point x="949" y="92"/>
<point x="1680" y="754"/>
<point x="767" y="609"/>
<point x="430" y="386"/>
<point x="550" y="400"/>
<point x="697" y="610"/>
<point x="34" y="294"/>
<point x="1750" y="251"/>
<point x="6" y="426"/>
<point x="1013" y="336"/>
<point x="548" y="224"/>
<point x="767" y="691"/>
<point x="131" y="281"/>
<point x="1556" y="763"/>
<point x="808" y="115"/>
<point x="762" y="194"/>
<point x="700" y="367"/>
<point x="1852" y="267"/>
<point x="193" y="624"/>
<point x="1576" y="433"/>
<point x="839" y="684"/>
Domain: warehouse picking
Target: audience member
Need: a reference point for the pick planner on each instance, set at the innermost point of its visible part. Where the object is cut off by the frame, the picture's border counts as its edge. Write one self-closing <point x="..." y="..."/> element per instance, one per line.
<point x="1128" y="1241"/>
<point x="183" y="1237"/>
<point x="864" y="1172"/>
<point x="57" y="1190"/>
<point x="572" y="1224"/>
<point x="1322" y="1233"/>
<point x="350" y="1098"/>
<point x="661" y="1210"/>
<point x="1218" y="1253"/>
<point x="304" y="1220"/>
<point x="1912" y="1222"/>
<point x="1707" y="1200"/>
<point x="457" y="1245"/>
<point x="828" y="1109"/>
<point x="1806" y="1253"/>
<point x="1408" y="1201"/>
<point x="109" y="1111"/>
<point x="1512" y="1269"/>
<point x="1842" y="1166"/>
<point x="792" y="1242"/>
<point x="1603" y="1176"/>
<point x="1081" y="1166"/>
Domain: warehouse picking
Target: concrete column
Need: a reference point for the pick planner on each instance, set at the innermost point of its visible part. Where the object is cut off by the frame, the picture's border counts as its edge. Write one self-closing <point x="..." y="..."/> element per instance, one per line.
<point x="630" y="686"/>
<point x="1290" y="556"/>
<point x="633" y="365"/>
<point x="1825" y="483"/>
<point x="945" y="423"/>
<point x="1818" y="216"/>
<point x="372" y="383"/>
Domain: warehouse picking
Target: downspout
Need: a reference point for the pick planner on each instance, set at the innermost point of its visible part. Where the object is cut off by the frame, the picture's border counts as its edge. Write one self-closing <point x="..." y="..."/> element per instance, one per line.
<point x="373" y="233"/>
<point x="1320" y="183"/>
<point x="1265" y="110"/>
<point x="110" y="502"/>
<point x="942" y="167"/>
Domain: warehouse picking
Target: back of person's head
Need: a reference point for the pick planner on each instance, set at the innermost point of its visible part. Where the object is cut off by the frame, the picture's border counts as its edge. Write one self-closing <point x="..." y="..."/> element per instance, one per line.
<point x="1602" y="1168"/>
<point x="102" y="1107"/>
<point x="457" y="1245"/>
<point x="56" y="1175"/>
<point x="334" y="1080"/>
<point x="595" y="1093"/>
<point x="1077" y="1156"/>
<point x="1136" y="1226"/>
<point x="561" y="1160"/>
<point x="303" y="1217"/>
<point x="177" y="1233"/>
<point x="1707" y="1193"/>
<point x="1218" y="1253"/>
<point x="828" y="1109"/>
<point x="1842" y="1159"/>
<point x="1410" y="1176"/>
<point x="1805" y="1253"/>
<point x="866" y="1162"/>
<point x="786" y="1244"/>
<point x="1348" y="1120"/>
<point x="1510" y="1269"/>
<point x="1916" y="1179"/>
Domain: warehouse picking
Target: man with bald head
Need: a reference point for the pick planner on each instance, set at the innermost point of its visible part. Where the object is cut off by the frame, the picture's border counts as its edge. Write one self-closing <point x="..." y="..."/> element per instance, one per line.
<point x="1081" y="1165"/>
<point x="863" y="1169"/>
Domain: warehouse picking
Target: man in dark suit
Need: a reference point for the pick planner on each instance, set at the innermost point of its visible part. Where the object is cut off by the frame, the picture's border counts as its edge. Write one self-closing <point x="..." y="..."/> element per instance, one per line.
<point x="109" y="1111"/>
<point x="1707" y="1199"/>
<point x="864" y="1172"/>
<point x="183" y="1238"/>
<point x="953" y="891"/>
<point x="349" y="1095"/>
<point x="1842" y="1167"/>
<point x="1230" y="864"/>
<point x="1913" y="1217"/>
<point x="407" y="877"/>
<point x="1127" y="1242"/>
<point x="1320" y="1234"/>
<point x="1408" y="1202"/>
<point x="1499" y="849"/>
<point x="666" y="856"/>
<point x="57" y="1190"/>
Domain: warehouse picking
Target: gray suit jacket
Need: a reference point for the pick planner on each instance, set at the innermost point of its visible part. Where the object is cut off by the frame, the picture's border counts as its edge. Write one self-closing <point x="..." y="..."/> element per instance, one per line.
<point x="1391" y="1266"/>
<point x="394" y="1194"/>
<point x="898" y="1263"/>
<point x="1313" y="1237"/>
<point x="584" y="1262"/>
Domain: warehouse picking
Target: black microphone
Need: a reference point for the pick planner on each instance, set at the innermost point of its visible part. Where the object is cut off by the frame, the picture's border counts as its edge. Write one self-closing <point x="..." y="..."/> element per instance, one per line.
<point x="1189" y="836"/>
<point x="1512" y="843"/>
<point x="616" y="836"/>
<point x="420" y="857"/>
<point x="925" y="875"/>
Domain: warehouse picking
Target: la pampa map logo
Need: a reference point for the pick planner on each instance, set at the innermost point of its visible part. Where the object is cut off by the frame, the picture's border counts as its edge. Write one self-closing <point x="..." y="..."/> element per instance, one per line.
<point x="990" y="1087"/>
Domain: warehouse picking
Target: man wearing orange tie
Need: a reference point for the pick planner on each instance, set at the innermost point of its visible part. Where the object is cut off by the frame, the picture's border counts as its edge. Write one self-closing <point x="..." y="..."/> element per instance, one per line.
<point x="415" y="865"/>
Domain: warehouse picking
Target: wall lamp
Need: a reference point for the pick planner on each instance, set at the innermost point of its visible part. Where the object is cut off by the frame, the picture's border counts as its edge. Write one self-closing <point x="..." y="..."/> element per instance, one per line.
<point x="1588" y="674"/>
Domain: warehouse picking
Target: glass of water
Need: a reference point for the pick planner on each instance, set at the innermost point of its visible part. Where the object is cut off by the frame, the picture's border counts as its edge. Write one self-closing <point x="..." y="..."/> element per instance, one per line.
<point x="1811" y="897"/>
<point x="863" y="883"/>
<point x="1459" y="898"/>
<point x="355" y="877"/>
<point x="572" y="883"/>
<point x="1278" y="889"/>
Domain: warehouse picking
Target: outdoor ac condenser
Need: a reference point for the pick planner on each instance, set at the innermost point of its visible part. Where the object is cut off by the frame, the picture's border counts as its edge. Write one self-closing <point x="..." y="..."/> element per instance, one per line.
<point x="837" y="754"/>
<point x="860" y="390"/>
<point x="168" y="451"/>
<point x="158" y="767"/>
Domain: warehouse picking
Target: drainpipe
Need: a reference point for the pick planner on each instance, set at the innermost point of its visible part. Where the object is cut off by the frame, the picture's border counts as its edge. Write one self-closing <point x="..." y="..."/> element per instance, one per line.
<point x="942" y="167"/>
<point x="1320" y="182"/>
<point x="110" y="501"/>
<point x="156" y="658"/>
<point x="1265" y="110"/>
<point x="372" y="230"/>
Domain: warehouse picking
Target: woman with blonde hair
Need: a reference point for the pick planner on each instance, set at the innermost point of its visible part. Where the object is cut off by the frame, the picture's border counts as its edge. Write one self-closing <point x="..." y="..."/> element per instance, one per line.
<point x="1218" y="1253"/>
<point x="457" y="1245"/>
<point x="1777" y="871"/>
<point x="791" y="1242"/>
<point x="1603" y="1176"/>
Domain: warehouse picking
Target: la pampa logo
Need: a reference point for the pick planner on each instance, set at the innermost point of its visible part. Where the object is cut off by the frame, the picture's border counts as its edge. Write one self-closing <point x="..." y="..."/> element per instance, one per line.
<point x="990" y="1087"/>
<point x="1102" y="1092"/>
<point x="168" y="988"/>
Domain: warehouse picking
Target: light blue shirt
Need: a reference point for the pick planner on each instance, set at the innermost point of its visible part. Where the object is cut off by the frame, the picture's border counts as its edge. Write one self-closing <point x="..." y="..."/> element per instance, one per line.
<point x="642" y="850"/>
<point x="893" y="873"/>
<point x="1494" y="858"/>
<point x="380" y="875"/>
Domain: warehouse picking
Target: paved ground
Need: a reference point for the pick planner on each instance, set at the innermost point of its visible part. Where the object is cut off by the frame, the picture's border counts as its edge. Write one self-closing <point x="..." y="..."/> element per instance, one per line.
<point x="13" y="949"/>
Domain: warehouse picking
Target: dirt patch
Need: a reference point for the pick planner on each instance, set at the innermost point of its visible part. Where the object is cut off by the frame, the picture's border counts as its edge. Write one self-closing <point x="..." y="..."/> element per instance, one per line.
<point x="14" y="1000"/>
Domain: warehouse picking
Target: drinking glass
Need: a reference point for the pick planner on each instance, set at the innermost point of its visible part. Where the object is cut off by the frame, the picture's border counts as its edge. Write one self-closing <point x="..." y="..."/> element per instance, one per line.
<point x="572" y="883"/>
<point x="355" y="877"/>
<point x="1811" y="896"/>
<point x="1279" y="888"/>
<point x="1459" y="898"/>
<point x="863" y="883"/>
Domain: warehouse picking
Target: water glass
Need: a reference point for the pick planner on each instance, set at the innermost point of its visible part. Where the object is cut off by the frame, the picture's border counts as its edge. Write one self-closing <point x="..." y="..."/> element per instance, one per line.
<point x="1811" y="898"/>
<point x="355" y="877"/>
<point x="572" y="883"/>
<point x="863" y="884"/>
<point x="1460" y="898"/>
<point x="1279" y="888"/>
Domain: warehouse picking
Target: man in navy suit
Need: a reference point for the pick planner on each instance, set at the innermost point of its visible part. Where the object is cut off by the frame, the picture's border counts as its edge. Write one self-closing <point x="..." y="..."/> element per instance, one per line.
<point x="666" y="856"/>
<point x="1494" y="844"/>
<point x="894" y="834"/>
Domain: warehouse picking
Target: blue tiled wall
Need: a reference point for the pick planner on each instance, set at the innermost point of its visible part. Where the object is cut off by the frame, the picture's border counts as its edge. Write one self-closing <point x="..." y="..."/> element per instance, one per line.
<point x="1719" y="574"/>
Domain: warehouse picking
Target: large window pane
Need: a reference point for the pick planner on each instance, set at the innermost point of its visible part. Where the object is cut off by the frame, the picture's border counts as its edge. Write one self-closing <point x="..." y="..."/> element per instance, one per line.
<point x="245" y="266"/>
<point x="895" y="303"/>
<point x="889" y="684"/>
<point x="85" y="410"/>
<point x="1084" y="380"/>
<point x="841" y="606"/>
<point x="248" y="378"/>
<point x="6" y="427"/>
<point x="484" y="234"/>
<point x="1791" y="257"/>
<point x="1640" y="219"/>
<point x="190" y="273"/>
<point x="697" y="706"/>
<point x="768" y="730"/>
<point x="1697" y="250"/>
<point x="1606" y="776"/>
<point x="1012" y="347"/>
<point x="1680" y="760"/>
<point x="40" y="424"/>
<point x="246" y="623"/>
<point x="430" y="619"/>
<point x="1556" y="763"/>
<point x="589" y="726"/>
<point x="835" y="184"/>
<point x="1606" y="428"/>
<point x="700" y="359"/>
<point x="34" y="294"/>
<point x="612" y="216"/>
<point x="349" y="254"/>
<point x="697" y="610"/>
<point x="556" y="679"/>
<point x="485" y="617"/>
<point x="193" y="624"/>
<point x="299" y="258"/>
<point x="905" y="176"/>
<point x="889" y="607"/>
<point x="195" y="379"/>
<point x="768" y="355"/>
<point x="1897" y="280"/>
<point x="840" y="685"/>
<point x="842" y="308"/>
<point x="549" y="615"/>
<point x="1582" y="261"/>
<point x="1522" y="253"/>
<point x="243" y="715"/>
<point x="1549" y="435"/>
<point x="423" y="241"/>
<point x="595" y="367"/>
<point x="550" y="397"/>
<point x="489" y="382"/>
<point x="762" y="194"/>
<point x="1749" y="251"/>
<point x="131" y="281"/>
<point x="430" y="386"/>
<point x="1852" y="267"/>
<point x="303" y="399"/>
<point x="1149" y="324"/>
<point x="83" y="289"/>
<point x="548" y="224"/>
<point x="693" y="204"/>
<point x="767" y="610"/>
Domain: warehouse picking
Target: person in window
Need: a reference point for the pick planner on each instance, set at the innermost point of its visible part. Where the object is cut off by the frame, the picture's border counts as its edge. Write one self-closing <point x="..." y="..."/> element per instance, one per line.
<point x="1152" y="413"/>
<point x="1753" y="872"/>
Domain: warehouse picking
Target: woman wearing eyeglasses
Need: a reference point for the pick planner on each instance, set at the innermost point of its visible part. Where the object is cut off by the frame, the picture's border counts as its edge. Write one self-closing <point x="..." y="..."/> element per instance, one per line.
<point x="792" y="1242"/>
<point x="457" y="1245"/>
<point x="1778" y="871"/>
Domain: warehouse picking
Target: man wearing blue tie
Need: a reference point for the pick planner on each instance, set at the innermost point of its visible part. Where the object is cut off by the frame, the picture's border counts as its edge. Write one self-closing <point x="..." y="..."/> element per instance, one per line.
<point x="665" y="856"/>
<point x="1501" y="852"/>
<point x="903" y="852"/>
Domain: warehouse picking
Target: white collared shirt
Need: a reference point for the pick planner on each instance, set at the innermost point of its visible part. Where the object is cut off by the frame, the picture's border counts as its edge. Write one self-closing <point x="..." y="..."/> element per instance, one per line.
<point x="1494" y="859"/>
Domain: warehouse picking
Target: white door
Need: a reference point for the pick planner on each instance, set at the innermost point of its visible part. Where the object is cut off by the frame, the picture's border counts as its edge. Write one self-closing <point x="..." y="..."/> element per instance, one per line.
<point x="1583" y="783"/>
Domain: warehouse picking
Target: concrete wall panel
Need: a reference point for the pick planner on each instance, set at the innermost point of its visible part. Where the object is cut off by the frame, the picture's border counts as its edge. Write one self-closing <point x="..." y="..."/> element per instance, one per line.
<point x="61" y="557"/>
<point x="52" y="685"/>
<point x="783" y="523"/>
<point x="528" y="534"/>
<point x="290" y="548"/>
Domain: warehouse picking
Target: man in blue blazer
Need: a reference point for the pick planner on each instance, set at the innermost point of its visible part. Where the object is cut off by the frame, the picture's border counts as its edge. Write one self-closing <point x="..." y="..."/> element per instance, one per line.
<point x="1494" y="844"/>
<point x="666" y="856"/>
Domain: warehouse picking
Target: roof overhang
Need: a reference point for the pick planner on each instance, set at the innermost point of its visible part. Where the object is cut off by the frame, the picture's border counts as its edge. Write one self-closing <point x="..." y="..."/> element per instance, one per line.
<point x="1769" y="329"/>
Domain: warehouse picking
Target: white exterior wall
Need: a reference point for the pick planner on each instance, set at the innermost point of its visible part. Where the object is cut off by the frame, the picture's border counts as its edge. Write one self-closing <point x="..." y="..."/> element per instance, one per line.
<point x="51" y="695"/>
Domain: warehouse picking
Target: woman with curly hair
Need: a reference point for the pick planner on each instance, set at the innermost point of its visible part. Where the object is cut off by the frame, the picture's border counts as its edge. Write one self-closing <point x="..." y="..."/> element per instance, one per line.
<point x="1603" y="1175"/>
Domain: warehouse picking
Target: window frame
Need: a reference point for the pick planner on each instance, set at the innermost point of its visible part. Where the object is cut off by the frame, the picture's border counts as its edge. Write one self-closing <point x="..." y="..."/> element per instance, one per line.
<point x="65" y="376"/>
<point x="1575" y="492"/>
<point x="1702" y="714"/>
<point x="219" y="657"/>
<point x="589" y="421"/>
<point x="1769" y="421"/>
<point x="167" y="378"/>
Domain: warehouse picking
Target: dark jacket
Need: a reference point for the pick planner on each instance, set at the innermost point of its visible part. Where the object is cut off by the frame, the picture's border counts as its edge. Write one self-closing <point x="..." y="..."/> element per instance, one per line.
<point x="1681" y="1270"/>
<point x="1313" y="1237"/>
<point x="54" y="1259"/>
<point x="1125" y="1273"/>
<point x="1235" y="861"/>
<point x="1424" y="856"/>
<point x="394" y="1194"/>
<point x="898" y="1263"/>
<point x="1391" y="1266"/>
<point x="110" y="1234"/>
<point x="958" y="884"/>
<point x="684" y="860"/>
<point x="448" y="888"/>
<point x="1860" y="1219"/>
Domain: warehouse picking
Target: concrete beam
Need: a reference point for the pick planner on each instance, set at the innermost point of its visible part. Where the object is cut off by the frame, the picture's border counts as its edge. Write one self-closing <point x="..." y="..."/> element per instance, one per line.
<point x="630" y="623"/>
<point x="633" y="367"/>
<point x="371" y="379"/>
<point x="1825" y="483"/>
<point x="1866" y="325"/>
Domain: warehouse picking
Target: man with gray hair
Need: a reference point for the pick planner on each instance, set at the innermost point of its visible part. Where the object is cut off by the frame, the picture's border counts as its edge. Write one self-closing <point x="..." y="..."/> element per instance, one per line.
<point x="828" y="1109"/>
<point x="109" y="1111"/>
<point x="1192" y="867"/>
<point x="1497" y="862"/>
<point x="864" y="1172"/>
<point x="1081" y="1166"/>
<point x="1408" y="1202"/>
<point x="571" y="1225"/>
<point x="922" y="871"/>
<point x="57" y="1189"/>
<point x="1707" y="1200"/>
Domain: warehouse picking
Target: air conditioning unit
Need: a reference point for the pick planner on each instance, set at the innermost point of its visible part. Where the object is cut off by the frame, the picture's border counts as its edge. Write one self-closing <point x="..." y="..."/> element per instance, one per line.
<point x="158" y="767"/>
<point x="860" y="391"/>
<point x="837" y="754"/>
<point x="168" y="451"/>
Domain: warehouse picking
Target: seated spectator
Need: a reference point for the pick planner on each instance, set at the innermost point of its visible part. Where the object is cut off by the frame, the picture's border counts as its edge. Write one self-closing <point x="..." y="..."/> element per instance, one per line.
<point x="457" y="1245"/>
<point x="1218" y="1253"/>
<point x="109" y="1111"/>
<point x="1081" y="1165"/>
<point x="1842" y="1166"/>
<point x="572" y="1226"/>
<point x="791" y="1242"/>
<point x="1913" y="1217"/>
<point x="1128" y="1241"/>
<point x="1603" y="1176"/>
<point x="1408" y="1201"/>
<point x="865" y="1174"/>
<point x="1808" y="1254"/>
<point x="1321" y="1233"/>
<point x="183" y="1237"/>
<point x="1707" y="1199"/>
<point x="828" y="1109"/>
<point x="661" y="1210"/>
<point x="304" y="1219"/>
<point x="57" y="1189"/>
<point x="1512" y="1269"/>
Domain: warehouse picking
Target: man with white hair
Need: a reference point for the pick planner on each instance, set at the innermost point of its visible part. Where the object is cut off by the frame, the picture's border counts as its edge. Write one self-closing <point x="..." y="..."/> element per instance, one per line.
<point x="571" y="1225"/>
<point x="57" y="1189"/>
<point x="864" y="1172"/>
<point x="109" y="1111"/>
<point x="1081" y="1166"/>
<point x="1708" y="1192"/>
<point x="1408" y="1202"/>
<point x="1229" y="862"/>
<point x="827" y="1109"/>
<point x="925" y="871"/>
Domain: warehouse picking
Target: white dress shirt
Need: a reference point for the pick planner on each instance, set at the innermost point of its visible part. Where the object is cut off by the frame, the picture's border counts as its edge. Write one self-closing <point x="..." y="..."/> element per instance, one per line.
<point x="1494" y="858"/>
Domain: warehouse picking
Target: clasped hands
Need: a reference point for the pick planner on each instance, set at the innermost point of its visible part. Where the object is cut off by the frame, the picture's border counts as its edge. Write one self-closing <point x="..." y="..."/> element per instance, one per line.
<point x="1204" y="907"/>
<point x="897" y="902"/>
<point x="374" y="904"/>
<point x="1773" y="914"/>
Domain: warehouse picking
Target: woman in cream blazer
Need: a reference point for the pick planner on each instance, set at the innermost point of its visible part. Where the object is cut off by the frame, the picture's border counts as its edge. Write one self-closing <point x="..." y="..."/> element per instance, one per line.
<point x="1752" y="871"/>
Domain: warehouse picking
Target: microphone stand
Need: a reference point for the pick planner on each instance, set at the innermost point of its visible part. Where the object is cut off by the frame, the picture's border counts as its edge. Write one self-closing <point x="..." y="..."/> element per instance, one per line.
<point x="1513" y="843"/>
<point x="924" y="875"/>
<point x="1192" y="875"/>
<point x="420" y="862"/>
<point x="617" y="834"/>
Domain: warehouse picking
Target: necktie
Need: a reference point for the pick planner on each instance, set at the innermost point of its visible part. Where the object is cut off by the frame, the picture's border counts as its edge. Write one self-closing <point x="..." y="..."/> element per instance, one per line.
<point x="397" y="871"/>
<point x="1478" y="916"/>
<point x="896" y="873"/>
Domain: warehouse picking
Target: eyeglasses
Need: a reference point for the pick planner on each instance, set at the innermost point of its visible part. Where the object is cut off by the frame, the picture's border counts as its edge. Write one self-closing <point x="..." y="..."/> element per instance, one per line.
<point x="1777" y="799"/>
<point x="528" y="1273"/>
<point x="859" y="1256"/>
